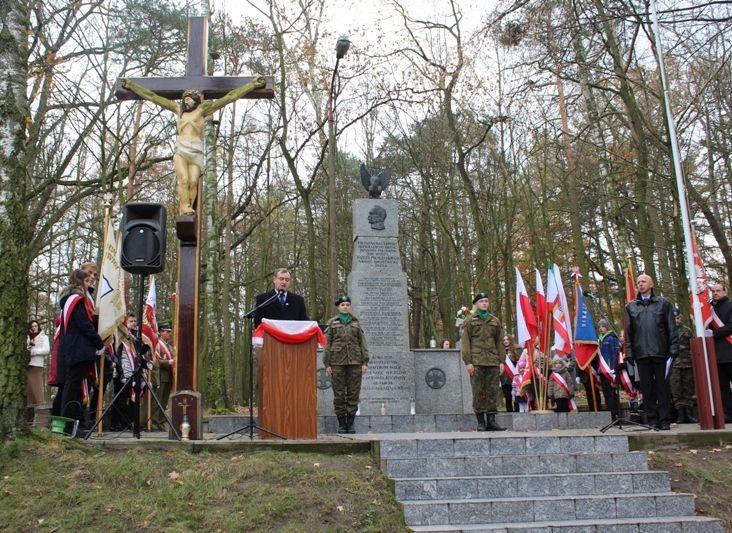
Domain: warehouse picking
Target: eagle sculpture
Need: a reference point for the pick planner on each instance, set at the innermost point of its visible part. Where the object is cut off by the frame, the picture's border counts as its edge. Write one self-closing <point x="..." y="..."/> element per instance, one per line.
<point x="375" y="184"/>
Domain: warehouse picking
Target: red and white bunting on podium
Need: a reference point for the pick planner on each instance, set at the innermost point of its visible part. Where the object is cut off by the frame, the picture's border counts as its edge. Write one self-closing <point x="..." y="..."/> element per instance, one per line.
<point x="288" y="331"/>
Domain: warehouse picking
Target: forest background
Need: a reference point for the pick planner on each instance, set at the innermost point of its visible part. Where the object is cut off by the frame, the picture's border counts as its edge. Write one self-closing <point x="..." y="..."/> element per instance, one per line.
<point x="518" y="133"/>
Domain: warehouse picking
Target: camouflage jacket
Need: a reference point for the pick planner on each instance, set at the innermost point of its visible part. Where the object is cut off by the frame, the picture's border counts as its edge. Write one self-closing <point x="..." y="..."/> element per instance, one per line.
<point x="346" y="343"/>
<point x="684" y="358"/>
<point x="481" y="341"/>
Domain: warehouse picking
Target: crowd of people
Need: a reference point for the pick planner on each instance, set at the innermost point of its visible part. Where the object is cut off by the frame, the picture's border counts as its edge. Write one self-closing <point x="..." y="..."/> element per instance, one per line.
<point x="75" y="361"/>
<point x="653" y="348"/>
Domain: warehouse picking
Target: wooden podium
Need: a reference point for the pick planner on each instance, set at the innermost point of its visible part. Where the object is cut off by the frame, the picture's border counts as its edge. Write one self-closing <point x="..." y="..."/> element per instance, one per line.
<point x="287" y="396"/>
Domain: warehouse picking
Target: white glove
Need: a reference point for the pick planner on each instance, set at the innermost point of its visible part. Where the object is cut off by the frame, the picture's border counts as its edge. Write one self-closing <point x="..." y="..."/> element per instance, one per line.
<point x="708" y="333"/>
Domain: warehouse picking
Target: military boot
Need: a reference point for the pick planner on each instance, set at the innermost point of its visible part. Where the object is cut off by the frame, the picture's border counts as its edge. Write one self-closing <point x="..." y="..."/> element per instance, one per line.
<point x="342" y="424"/>
<point x="350" y="419"/>
<point x="490" y="423"/>
<point x="481" y="421"/>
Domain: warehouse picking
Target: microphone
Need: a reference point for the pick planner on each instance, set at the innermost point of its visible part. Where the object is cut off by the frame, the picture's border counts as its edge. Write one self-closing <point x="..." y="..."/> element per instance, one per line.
<point x="588" y="294"/>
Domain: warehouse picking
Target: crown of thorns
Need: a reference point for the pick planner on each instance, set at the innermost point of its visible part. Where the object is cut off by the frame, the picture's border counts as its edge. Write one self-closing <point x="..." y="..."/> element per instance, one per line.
<point x="192" y="93"/>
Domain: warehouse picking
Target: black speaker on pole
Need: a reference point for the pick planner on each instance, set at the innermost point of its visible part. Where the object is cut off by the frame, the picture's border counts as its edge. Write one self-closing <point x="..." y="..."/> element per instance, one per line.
<point x="143" y="238"/>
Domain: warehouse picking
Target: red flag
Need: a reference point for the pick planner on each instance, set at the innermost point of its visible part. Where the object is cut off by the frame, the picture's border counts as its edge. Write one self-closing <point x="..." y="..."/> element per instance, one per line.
<point x="556" y="301"/>
<point x="525" y="317"/>
<point x="629" y="283"/>
<point x="149" y="319"/>
<point x="541" y="314"/>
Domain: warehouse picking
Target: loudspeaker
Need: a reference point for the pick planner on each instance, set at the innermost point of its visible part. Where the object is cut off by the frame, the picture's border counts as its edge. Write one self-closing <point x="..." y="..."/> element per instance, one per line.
<point x="143" y="238"/>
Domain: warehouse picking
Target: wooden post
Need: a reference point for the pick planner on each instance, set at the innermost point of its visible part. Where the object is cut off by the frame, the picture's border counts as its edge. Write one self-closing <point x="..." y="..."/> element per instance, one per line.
<point x="711" y="414"/>
<point x="188" y="226"/>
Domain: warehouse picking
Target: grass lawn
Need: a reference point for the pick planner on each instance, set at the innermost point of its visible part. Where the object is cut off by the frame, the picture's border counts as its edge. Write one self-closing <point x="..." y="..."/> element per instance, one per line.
<point x="706" y="472"/>
<point x="57" y="484"/>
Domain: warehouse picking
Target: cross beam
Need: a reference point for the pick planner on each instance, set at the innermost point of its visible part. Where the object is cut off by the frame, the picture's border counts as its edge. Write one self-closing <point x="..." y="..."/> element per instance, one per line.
<point x="195" y="77"/>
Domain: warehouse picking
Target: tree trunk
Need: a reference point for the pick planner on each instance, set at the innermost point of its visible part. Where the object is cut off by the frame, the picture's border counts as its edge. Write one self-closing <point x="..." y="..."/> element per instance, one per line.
<point x="14" y="223"/>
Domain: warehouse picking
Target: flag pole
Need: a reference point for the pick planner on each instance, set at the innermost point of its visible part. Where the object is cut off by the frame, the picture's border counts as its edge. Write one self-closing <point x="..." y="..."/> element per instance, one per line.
<point x="683" y="204"/>
<point x="100" y="381"/>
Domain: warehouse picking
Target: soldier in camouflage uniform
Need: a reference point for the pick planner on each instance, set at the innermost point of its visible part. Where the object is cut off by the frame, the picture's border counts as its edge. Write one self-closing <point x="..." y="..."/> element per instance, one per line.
<point x="345" y="359"/>
<point x="480" y="347"/>
<point x="682" y="375"/>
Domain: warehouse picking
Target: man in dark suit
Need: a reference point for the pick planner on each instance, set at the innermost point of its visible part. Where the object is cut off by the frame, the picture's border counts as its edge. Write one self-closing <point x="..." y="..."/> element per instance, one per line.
<point x="287" y="305"/>
<point x="723" y="308"/>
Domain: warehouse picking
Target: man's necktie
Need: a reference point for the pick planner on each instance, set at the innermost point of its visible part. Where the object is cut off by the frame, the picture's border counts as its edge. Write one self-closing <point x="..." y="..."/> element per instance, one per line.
<point x="282" y="299"/>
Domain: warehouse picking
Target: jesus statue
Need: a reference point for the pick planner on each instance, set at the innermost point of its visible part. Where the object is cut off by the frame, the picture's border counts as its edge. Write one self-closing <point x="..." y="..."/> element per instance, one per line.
<point x="188" y="157"/>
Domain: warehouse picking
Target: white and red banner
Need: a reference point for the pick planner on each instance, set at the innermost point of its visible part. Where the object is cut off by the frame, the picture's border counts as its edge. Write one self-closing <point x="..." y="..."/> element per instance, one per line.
<point x="704" y="297"/>
<point x="542" y="319"/>
<point x="525" y="317"/>
<point x="556" y="301"/>
<point x="509" y="368"/>
<point x="149" y="327"/>
<point x="288" y="331"/>
<point x="608" y="372"/>
<point x="110" y="290"/>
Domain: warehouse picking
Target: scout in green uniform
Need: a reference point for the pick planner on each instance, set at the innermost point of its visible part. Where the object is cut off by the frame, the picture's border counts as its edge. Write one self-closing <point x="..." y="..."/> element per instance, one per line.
<point x="682" y="375"/>
<point x="481" y="348"/>
<point x="163" y="364"/>
<point x="346" y="360"/>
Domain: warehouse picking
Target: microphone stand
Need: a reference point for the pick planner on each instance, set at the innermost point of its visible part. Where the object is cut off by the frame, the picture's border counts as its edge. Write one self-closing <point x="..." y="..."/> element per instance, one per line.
<point x="619" y="419"/>
<point x="251" y="426"/>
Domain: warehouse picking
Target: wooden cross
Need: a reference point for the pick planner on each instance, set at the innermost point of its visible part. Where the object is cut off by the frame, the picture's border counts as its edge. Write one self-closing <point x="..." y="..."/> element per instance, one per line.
<point x="188" y="228"/>
<point x="195" y="78"/>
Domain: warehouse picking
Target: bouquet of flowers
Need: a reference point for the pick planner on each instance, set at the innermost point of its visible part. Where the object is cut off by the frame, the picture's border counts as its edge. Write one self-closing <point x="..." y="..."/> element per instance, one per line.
<point x="463" y="313"/>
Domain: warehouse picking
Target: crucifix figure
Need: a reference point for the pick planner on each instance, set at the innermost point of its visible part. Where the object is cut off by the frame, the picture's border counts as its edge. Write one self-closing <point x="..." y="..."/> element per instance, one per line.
<point x="192" y="89"/>
<point x="201" y="96"/>
<point x="188" y="157"/>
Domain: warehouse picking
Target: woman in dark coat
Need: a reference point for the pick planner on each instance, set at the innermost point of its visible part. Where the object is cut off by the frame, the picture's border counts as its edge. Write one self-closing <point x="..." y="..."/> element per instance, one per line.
<point x="80" y="343"/>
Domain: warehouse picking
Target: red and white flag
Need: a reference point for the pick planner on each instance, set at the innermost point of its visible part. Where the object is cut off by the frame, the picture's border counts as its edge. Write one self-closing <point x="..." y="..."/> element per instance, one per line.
<point x="525" y="317"/>
<point x="149" y="327"/>
<point x="704" y="297"/>
<point x="629" y="283"/>
<point x="288" y="331"/>
<point x="541" y="314"/>
<point x="556" y="301"/>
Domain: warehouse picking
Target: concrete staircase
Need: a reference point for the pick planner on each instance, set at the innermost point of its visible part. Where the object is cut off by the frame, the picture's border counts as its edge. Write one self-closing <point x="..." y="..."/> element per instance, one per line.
<point x="541" y="481"/>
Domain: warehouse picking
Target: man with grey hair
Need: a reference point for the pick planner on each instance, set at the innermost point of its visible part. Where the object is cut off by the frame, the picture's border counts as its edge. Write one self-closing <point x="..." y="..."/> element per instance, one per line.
<point x="287" y="305"/>
<point x="651" y="340"/>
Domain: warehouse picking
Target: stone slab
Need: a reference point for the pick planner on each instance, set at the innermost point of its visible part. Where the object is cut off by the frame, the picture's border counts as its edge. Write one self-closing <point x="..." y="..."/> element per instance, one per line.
<point x="362" y="227"/>
<point x="438" y="382"/>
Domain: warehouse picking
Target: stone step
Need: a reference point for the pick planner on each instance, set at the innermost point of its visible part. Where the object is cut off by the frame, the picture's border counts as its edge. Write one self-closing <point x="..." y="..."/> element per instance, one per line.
<point x="508" y="465"/>
<point x="682" y="524"/>
<point x="436" y="422"/>
<point x="500" y="443"/>
<point x="542" y="485"/>
<point x="537" y="509"/>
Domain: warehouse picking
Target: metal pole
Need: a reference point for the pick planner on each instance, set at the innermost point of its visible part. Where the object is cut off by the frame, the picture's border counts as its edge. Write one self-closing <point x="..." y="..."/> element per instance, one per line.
<point x="683" y="204"/>
<point x="332" y="235"/>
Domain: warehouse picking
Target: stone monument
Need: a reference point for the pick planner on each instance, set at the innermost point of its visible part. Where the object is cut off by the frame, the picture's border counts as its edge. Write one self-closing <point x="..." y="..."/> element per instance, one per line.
<point x="378" y="288"/>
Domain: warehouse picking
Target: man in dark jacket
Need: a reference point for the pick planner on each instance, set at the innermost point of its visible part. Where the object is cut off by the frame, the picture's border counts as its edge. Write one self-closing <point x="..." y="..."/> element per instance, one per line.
<point x="723" y="309"/>
<point x="651" y="339"/>
<point x="287" y="305"/>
